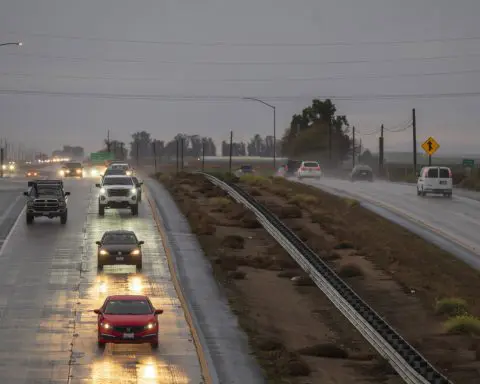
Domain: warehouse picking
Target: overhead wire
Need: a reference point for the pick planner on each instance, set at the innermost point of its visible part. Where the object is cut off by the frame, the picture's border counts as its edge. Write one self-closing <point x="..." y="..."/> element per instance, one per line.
<point x="237" y="44"/>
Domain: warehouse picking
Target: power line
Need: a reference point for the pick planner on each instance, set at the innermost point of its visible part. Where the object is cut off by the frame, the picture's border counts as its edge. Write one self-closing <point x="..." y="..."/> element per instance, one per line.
<point x="233" y="44"/>
<point x="246" y="80"/>
<point x="234" y="63"/>
<point x="218" y="98"/>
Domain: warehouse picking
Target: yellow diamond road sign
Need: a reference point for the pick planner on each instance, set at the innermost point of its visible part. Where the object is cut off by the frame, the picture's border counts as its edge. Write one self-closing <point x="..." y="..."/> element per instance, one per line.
<point x="430" y="146"/>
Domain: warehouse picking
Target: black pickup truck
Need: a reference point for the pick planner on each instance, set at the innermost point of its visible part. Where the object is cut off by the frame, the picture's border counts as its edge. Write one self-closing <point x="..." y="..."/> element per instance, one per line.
<point x="46" y="198"/>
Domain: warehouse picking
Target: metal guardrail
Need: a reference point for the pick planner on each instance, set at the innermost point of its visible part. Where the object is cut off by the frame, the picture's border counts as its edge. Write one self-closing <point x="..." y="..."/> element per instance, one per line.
<point x="407" y="362"/>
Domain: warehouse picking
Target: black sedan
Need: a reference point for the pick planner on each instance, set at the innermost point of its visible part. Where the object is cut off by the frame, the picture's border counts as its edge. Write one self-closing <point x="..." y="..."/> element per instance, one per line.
<point x="119" y="247"/>
<point x="361" y="172"/>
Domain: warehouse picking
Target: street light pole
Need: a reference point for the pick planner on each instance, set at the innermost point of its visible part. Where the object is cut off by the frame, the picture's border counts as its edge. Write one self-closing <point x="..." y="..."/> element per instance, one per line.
<point x="274" y="127"/>
<point x="19" y="44"/>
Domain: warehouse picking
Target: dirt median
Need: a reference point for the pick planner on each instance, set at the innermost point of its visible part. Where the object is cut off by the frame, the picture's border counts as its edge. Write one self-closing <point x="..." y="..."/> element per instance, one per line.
<point x="297" y="335"/>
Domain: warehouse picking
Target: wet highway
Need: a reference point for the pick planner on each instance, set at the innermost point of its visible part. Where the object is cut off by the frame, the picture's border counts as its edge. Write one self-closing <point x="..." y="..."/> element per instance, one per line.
<point x="455" y="219"/>
<point x="49" y="286"/>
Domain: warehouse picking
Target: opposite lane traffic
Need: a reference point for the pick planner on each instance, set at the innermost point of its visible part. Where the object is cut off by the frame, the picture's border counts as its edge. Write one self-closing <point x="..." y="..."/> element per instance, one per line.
<point x="455" y="219"/>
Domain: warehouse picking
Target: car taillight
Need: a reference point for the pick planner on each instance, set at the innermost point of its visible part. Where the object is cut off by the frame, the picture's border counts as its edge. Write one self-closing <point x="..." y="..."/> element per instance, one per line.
<point x="302" y="168"/>
<point x="318" y="168"/>
<point x="450" y="173"/>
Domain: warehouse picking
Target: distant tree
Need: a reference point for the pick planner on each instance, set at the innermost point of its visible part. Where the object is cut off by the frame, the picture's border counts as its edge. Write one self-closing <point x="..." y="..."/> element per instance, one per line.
<point x="140" y="146"/>
<point x="238" y="149"/>
<point x="309" y="133"/>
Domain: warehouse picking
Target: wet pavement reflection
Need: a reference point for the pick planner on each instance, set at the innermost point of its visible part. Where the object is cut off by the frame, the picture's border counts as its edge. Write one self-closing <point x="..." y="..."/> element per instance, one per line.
<point x="49" y="286"/>
<point x="176" y="360"/>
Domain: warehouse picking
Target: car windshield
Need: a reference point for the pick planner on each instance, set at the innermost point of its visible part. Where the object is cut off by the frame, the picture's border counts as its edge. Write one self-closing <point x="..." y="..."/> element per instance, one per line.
<point x="118" y="181"/>
<point x="119" y="238"/>
<point x="128" y="307"/>
<point x="310" y="164"/>
<point x="115" y="172"/>
<point x="48" y="191"/>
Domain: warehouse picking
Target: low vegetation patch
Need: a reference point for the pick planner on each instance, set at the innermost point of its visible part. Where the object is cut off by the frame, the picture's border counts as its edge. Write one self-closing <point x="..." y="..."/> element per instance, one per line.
<point x="350" y="270"/>
<point x="463" y="324"/>
<point x="451" y="307"/>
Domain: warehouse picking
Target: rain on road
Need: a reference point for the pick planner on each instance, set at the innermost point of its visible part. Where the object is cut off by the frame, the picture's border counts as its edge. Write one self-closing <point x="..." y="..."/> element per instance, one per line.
<point x="49" y="286"/>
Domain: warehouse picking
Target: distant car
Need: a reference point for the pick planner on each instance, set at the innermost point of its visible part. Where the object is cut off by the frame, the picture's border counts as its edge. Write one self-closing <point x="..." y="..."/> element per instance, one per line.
<point x="129" y="319"/>
<point x="361" y="172"/>
<point x="32" y="173"/>
<point x="309" y="169"/>
<point x="291" y="167"/>
<point x="281" y="171"/>
<point x="71" y="169"/>
<point x="119" y="247"/>
<point x="245" y="170"/>
<point x="435" y="180"/>
<point x="122" y="166"/>
<point x="138" y="185"/>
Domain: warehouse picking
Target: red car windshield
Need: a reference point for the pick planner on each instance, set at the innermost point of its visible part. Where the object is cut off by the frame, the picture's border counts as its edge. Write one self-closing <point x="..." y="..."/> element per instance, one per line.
<point x="128" y="307"/>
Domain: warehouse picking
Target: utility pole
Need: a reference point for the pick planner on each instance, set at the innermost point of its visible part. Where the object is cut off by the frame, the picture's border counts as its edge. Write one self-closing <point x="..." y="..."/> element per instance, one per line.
<point x="380" y="152"/>
<point x="181" y="149"/>
<point x="274" y="139"/>
<point x="414" y="126"/>
<point x="122" y="154"/>
<point x="137" y="151"/>
<point x="108" y="141"/>
<point x="353" y="147"/>
<point x="178" y="144"/>
<point x="231" y="150"/>
<point x="330" y="143"/>
<point x="203" y="155"/>
<point x="154" y="145"/>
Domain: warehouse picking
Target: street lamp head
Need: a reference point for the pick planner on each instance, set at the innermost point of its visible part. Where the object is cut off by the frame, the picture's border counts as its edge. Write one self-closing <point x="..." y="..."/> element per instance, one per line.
<point x="20" y="43"/>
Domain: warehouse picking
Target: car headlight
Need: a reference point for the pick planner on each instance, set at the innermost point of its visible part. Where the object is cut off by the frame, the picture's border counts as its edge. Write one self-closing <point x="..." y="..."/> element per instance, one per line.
<point x="61" y="204"/>
<point x="67" y="171"/>
<point x="4" y="167"/>
<point x="151" y="325"/>
<point x="94" y="172"/>
<point x="129" y="173"/>
<point x="103" y="252"/>
<point x="62" y="172"/>
<point x="29" y="203"/>
<point x="79" y="171"/>
<point x="102" y="191"/>
<point x="133" y="191"/>
<point x="135" y="252"/>
<point x="11" y="167"/>
<point x="106" y="325"/>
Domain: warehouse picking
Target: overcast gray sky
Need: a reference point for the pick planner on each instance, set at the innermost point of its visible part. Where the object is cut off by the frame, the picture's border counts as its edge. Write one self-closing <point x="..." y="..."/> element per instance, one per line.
<point x="248" y="48"/>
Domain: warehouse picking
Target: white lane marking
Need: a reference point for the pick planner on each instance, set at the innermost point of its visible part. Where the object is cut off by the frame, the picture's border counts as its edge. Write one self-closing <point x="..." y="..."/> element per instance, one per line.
<point x="7" y="238"/>
<point x="7" y="212"/>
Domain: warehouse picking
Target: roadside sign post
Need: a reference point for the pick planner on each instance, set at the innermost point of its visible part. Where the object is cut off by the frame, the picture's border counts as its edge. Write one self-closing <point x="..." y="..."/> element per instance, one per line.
<point x="430" y="146"/>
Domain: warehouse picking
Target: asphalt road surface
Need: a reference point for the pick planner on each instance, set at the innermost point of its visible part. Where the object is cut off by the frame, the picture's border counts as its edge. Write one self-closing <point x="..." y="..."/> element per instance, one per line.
<point x="455" y="219"/>
<point x="49" y="286"/>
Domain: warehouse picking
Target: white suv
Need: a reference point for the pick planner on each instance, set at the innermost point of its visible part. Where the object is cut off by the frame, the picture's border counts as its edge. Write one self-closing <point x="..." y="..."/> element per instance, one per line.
<point x="309" y="169"/>
<point x="117" y="191"/>
<point x="435" y="180"/>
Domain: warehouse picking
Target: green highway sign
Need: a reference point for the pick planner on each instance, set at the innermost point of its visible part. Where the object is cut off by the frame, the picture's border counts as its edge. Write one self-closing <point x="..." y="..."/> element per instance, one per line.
<point x="468" y="163"/>
<point x="100" y="157"/>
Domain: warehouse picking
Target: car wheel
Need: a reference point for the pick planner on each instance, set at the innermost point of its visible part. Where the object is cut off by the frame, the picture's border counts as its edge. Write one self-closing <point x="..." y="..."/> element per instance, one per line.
<point x="30" y="219"/>
<point x="154" y="344"/>
<point x="140" y="197"/>
<point x="139" y="265"/>
<point x="101" y="210"/>
<point x="63" y="218"/>
<point x="418" y="192"/>
<point x="101" y="344"/>
<point x="134" y="209"/>
<point x="99" y="266"/>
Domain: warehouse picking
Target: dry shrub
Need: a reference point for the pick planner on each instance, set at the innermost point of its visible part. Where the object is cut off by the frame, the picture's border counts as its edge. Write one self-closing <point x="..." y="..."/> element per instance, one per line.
<point x="466" y="324"/>
<point x="303" y="200"/>
<point x="344" y="245"/>
<point x="350" y="270"/>
<point x="451" y="307"/>
<point x="325" y="350"/>
<point x="237" y="275"/>
<point x="233" y="241"/>
<point x="290" y="212"/>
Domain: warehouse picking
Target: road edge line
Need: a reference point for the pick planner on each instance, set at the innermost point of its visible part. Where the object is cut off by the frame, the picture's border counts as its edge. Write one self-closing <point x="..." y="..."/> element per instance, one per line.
<point x="205" y="369"/>
<point x="7" y="238"/>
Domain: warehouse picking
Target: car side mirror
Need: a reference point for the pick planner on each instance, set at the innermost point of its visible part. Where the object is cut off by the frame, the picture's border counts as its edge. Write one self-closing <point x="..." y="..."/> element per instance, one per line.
<point x="67" y="193"/>
<point x="141" y="242"/>
<point x="98" y="185"/>
<point x="97" y="311"/>
<point x="158" y="311"/>
<point x="25" y="193"/>
<point x="98" y="243"/>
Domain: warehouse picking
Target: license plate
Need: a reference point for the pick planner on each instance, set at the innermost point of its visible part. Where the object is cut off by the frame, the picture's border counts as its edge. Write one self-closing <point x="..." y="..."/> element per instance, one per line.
<point x="443" y="182"/>
<point x="128" y="335"/>
<point x="364" y="173"/>
<point x="120" y="258"/>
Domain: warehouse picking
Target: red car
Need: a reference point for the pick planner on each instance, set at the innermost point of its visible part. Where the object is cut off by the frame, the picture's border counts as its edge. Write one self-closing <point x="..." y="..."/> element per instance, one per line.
<point x="129" y="319"/>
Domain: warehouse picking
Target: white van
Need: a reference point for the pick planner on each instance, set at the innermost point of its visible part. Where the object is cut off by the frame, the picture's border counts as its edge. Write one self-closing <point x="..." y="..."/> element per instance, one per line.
<point x="435" y="180"/>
